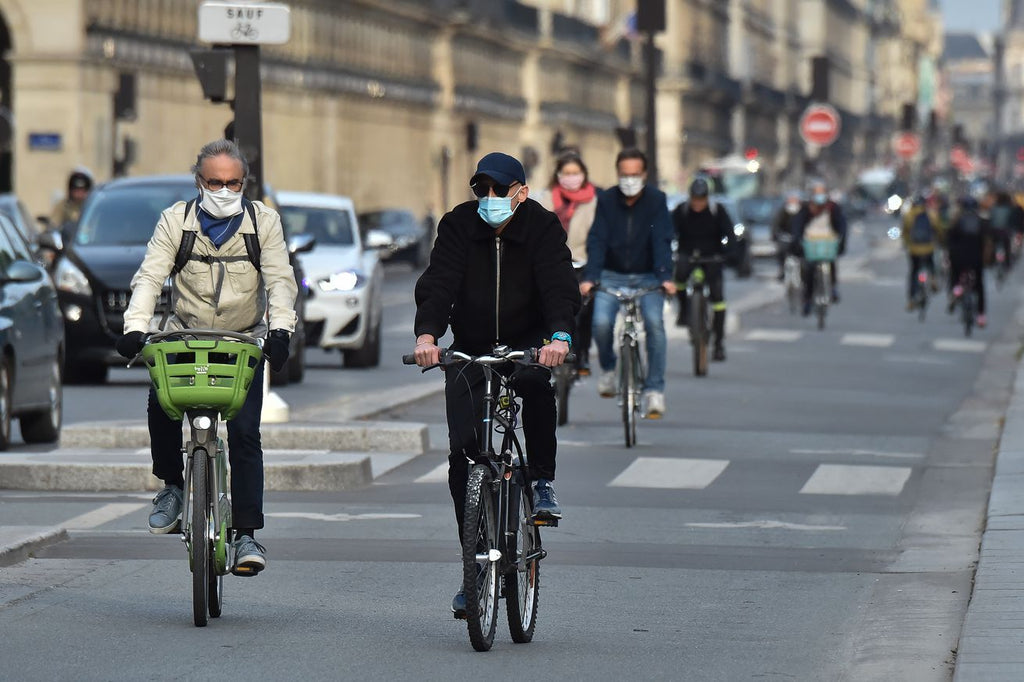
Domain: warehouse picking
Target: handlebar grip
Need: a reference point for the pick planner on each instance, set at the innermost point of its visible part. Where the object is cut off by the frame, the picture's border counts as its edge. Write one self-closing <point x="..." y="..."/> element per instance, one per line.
<point x="409" y="359"/>
<point x="570" y="358"/>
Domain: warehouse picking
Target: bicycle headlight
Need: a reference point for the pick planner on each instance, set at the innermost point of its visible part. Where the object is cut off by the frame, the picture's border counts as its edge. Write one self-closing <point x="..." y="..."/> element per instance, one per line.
<point x="345" y="280"/>
<point x="202" y="422"/>
<point x="738" y="229"/>
<point x="69" y="277"/>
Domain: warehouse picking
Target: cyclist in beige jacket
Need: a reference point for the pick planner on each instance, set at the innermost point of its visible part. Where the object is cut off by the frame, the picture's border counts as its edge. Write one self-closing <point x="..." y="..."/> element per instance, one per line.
<point x="223" y="284"/>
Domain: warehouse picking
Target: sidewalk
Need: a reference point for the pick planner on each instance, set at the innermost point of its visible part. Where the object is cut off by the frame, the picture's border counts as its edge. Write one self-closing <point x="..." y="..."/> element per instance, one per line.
<point x="992" y="640"/>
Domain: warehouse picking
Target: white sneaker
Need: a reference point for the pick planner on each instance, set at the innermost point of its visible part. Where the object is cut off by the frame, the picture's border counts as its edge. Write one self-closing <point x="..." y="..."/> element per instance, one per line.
<point x="608" y="384"/>
<point x="654" y="404"/>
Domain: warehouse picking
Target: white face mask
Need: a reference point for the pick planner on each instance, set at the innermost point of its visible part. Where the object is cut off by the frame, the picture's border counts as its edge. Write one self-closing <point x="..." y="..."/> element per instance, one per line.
<point x="221" y="204"/>
<point x="631" y="185"/>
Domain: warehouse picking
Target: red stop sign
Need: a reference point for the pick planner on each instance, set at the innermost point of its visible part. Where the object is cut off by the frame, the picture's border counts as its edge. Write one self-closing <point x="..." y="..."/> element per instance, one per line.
<point x="906" y="144"/>
<point x="820" y="125"/>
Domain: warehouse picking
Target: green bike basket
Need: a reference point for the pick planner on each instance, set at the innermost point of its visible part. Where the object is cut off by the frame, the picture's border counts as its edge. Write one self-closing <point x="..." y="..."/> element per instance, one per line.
<point x="201" y="374"/>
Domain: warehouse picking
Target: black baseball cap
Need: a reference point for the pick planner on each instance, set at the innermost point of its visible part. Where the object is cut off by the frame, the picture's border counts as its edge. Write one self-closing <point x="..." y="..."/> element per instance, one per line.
<point x="501" y="168"/>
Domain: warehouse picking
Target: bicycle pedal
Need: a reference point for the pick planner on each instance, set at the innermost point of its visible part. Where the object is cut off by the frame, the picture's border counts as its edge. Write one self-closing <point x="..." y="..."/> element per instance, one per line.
<point x="545" y="521"/>
<point x="245" y="571"/>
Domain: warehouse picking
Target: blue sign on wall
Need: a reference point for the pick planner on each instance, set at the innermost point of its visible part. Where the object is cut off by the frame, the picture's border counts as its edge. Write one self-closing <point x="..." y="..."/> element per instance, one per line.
<point x="44" y="142"/>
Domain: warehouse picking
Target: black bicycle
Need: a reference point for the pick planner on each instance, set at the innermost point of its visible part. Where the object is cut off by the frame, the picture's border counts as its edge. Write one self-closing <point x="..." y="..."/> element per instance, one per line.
<point x="697" y="295"/>
<point x="501" y="545"/>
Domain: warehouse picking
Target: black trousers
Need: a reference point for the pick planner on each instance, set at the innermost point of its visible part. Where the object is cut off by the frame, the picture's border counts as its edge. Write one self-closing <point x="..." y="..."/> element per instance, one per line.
<point x="808" y="276"/>
<point x="464" y="393"/>
<point x="245" y="453"/>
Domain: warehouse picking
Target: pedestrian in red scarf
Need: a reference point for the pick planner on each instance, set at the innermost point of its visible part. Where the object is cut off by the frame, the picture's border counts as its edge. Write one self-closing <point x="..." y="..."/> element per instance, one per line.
<point x="574" y="200"/>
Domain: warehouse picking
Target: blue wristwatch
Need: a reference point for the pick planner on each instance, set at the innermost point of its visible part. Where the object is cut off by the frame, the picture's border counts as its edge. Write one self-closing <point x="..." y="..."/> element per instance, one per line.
<point x="562" y="336"/>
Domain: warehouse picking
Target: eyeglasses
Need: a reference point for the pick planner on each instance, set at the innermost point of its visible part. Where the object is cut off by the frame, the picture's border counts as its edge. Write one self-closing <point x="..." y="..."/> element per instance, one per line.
<point x="214" y="185"/>
<point x="482" y="189"/>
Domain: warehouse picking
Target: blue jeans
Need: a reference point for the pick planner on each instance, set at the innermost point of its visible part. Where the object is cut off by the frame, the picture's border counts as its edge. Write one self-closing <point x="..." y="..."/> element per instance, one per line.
<point x="651" y="307"/>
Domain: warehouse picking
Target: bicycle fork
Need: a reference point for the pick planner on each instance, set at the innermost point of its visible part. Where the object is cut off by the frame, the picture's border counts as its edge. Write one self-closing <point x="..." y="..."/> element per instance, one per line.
<point x="203" y="426"/>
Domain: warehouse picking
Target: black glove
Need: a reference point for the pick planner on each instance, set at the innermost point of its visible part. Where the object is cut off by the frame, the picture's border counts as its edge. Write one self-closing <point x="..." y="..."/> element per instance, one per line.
<point x="130" y="344"/>
<point x="276" y="348"/>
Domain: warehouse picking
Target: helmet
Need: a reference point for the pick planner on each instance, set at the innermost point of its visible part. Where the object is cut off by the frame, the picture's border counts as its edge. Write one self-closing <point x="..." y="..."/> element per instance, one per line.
<point x="79" y="180"/>
<point x="699" y="188"/>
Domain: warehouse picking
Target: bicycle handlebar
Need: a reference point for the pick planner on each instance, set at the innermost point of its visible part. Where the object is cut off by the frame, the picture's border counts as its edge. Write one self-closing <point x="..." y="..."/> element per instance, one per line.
<point x="626" y="294"/>
<point x="216" y="334"/>
<point x="450" y="356"/>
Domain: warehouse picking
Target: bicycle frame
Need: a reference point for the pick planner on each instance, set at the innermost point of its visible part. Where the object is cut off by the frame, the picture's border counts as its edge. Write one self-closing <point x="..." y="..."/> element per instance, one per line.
<point x="197" y="453"/>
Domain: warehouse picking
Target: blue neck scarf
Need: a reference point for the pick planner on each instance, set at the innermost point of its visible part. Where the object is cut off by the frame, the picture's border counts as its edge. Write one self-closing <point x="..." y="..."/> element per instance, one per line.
<point x="219" y="230"/>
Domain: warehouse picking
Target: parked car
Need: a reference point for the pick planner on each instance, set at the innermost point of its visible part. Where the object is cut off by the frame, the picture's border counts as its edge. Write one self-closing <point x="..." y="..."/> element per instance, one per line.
<point x="29" y="228"/>
<point x="757" y="214"/>
<point x="31" y="342"/>
<point x="408" y="238"/>
<point x="344" y="308"/>
<point x="100" y="255"/>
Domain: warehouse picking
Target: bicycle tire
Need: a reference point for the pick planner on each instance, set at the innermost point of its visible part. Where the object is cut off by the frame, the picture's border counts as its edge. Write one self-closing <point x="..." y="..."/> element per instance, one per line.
<point x="626" y="393"/>
<point x="563" y="382"/>
<point x="699" y="333"/>
<point x="638" y="382"/>
<point x="479" y="538"/>
<point x="199" y="545"/>
<point x="522" y="582"/>
<point x="967" y="312"/>
<point x="820" y="293"/>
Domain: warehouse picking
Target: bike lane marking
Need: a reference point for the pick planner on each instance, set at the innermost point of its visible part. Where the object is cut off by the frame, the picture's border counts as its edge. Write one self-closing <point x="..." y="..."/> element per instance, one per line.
<point x="853" y="479"/>
<point x="869" y="340"/>
<point x="102" y="515"/>
<point x="960" y="345"/>
<point x="780" y="335"/>
<point x="667" y="472"/>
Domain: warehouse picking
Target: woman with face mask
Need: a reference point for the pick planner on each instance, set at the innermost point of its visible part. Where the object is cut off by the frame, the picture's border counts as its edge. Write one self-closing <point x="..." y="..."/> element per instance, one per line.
<point x="573" y="199"/>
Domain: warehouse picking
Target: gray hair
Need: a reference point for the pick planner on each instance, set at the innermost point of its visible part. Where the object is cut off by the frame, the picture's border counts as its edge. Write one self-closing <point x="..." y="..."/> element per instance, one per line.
<point x="221" y="147"/>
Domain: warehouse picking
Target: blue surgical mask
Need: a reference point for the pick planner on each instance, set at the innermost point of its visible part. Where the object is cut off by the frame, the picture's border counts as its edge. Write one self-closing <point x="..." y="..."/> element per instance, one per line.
<point x="496" y="210"/>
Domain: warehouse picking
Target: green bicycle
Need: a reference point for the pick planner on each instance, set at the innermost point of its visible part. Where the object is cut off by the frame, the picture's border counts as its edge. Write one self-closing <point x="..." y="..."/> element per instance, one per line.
<point x="205" y="376"/>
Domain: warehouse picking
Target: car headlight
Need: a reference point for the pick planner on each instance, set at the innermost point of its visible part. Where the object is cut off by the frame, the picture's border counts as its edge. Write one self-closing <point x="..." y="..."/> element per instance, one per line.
<point x="739" y="229"/>
<point x="894" y="203"/>
<point x="346" y="280"/>
<point x="69" y="277"/>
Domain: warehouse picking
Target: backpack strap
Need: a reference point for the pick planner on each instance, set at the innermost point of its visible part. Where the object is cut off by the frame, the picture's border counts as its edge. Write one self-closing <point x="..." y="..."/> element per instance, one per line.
<point x="252" y="241"/>
<point x="188" y="241"/>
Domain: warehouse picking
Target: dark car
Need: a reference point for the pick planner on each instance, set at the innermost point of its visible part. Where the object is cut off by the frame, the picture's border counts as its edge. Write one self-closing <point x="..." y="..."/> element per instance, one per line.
<point x="408" y="240"/>
<point x="757" y="215"/>
<point x="31" y="341"/>
<point x="737" y="255"/>
<point x="42" y="248"/>
<point x="100" y="255"/>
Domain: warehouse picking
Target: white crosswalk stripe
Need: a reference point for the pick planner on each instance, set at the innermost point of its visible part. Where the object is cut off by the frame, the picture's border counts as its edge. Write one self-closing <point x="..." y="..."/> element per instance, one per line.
<point x="870" y="340"/>
<point x="438" y="474"/>
<point x="665" y="472"/>
<point x="780" y="335"/>
<point x="960" y="345"/>
<point x="847" y="479"/>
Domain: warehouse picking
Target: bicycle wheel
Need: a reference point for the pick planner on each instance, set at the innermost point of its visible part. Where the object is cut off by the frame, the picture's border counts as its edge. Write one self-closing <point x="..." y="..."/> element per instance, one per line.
<point x="522" y="581"/>
<point x="563" y="382"/>
<point x="821" y="293"/>
<point x="479" y="572"/>
<point x="199" y="544"/>
<point x="967" y="307"/>
<point x="627" y="393"/>
<point x="699" y="333"/>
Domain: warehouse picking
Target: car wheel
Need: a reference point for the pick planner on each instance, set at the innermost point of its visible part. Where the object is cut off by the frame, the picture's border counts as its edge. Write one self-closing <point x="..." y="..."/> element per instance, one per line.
<point x="369" y="354"/>
<point x="5" y="404"/>
<point x="44" y="427"/>
<point x="84" y="373"/>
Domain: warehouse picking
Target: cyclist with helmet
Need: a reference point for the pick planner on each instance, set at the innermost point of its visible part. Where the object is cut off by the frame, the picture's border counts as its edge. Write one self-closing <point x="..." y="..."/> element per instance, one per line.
<point x="922" y="234"/>
<point x="965" y="241"/>
<point x="702" y="228"/>
<point x="69" y="209"/>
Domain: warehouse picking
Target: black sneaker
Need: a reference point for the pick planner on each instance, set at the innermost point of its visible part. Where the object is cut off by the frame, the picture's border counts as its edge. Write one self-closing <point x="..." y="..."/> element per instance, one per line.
<point x="459" y="605"/>
<point x="545" y="504"/>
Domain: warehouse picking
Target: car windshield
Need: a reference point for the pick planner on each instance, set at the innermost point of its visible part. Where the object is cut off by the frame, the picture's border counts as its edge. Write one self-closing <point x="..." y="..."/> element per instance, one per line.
<point x="757" y="210"/>
<point x="126" y="216"/>
<point x="384" y="220"/>
<point x="328" y="225"/>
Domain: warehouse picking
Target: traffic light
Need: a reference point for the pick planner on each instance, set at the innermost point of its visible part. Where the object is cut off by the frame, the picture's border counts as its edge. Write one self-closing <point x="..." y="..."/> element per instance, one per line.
<point x="908" y="116"/>
<point x="124" y="99"/>
<point x="819" y="79"/>
<point x="211" y="67"/>
<point x="650" y="16"/>
<point x="471" y="136"/>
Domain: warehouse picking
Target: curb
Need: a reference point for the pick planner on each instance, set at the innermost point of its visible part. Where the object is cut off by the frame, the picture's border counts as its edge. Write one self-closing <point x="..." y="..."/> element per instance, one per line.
<point x="17" y="543"/>
<point x="353" y="437"/>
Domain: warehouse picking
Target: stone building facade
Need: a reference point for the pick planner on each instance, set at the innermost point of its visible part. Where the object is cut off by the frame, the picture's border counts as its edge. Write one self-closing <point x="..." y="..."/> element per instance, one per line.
<point x="392" y="101"/>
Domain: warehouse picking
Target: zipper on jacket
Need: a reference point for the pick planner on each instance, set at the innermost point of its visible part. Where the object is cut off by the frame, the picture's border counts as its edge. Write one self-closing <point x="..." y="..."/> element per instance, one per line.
<point x="497" y="289"/>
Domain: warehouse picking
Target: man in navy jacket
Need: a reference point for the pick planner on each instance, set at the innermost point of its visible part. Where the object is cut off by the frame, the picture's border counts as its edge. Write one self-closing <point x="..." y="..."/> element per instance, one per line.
<point x="630" y="246"/>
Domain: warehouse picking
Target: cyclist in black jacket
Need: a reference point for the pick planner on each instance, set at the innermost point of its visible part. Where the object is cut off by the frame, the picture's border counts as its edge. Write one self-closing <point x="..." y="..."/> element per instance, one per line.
<point x="705" y="228"/>
<point x="500" y="273"/>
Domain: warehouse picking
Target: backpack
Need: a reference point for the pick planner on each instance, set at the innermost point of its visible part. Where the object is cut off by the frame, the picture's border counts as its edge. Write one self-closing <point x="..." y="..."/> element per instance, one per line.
<point x="188" y="241"/>
<point x="921" y="231"/>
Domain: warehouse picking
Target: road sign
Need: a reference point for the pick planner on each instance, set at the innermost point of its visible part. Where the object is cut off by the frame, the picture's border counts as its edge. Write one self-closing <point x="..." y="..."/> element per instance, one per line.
<point x="244" y="23"/>
<point x="906" y="144"/>
<point x="820" y="124"/>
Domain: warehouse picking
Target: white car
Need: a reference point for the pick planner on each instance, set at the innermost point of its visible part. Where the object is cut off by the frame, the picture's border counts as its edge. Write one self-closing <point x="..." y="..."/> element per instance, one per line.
<point x="345" y="279"/>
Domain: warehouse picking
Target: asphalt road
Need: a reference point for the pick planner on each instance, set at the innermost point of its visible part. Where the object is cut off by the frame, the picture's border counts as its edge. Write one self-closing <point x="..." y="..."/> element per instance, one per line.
<point x="809" y="511"/>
